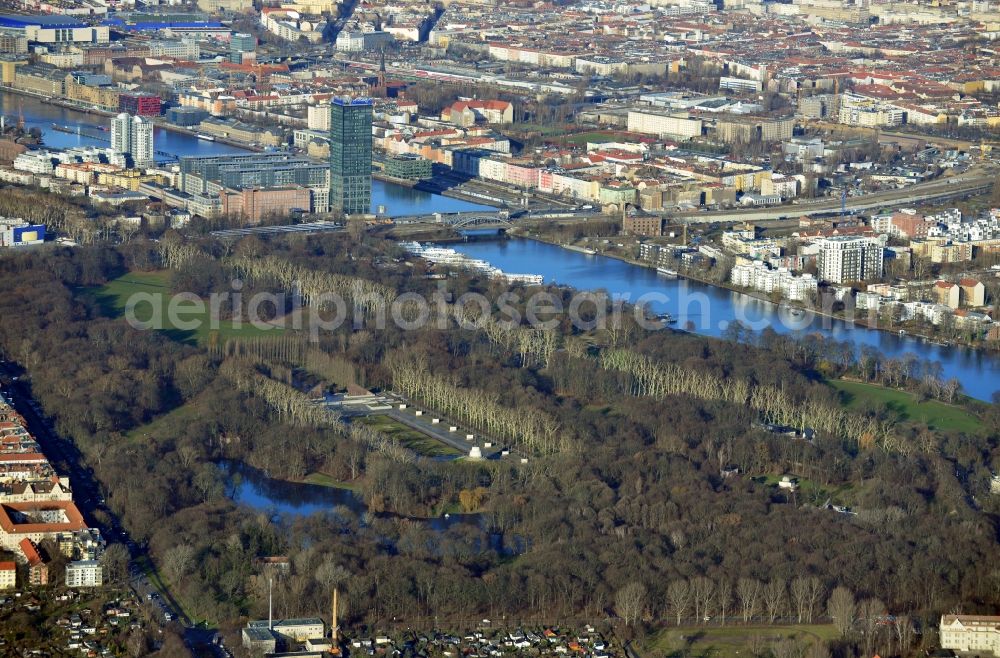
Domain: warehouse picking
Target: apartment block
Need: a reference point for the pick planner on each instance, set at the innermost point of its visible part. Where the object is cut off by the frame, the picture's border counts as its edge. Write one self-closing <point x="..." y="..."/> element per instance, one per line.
<point x="843" y="259"/>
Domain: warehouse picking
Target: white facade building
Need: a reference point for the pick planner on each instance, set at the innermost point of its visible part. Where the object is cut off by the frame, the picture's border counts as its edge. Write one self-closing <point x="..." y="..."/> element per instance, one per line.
<point x="973" y="633"/>
<point x="843" y="259"/>
<point x="133" y="136"/>
<point x="121" y="129"/>
<point x="758" y="276"/>
<point x="84" y="573"/>
<point x="664" y="124"/>
<point x="318" y="117"/>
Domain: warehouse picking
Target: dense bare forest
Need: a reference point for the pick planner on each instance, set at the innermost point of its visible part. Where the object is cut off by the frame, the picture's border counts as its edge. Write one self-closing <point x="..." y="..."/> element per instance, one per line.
<point x="647" y="495"/>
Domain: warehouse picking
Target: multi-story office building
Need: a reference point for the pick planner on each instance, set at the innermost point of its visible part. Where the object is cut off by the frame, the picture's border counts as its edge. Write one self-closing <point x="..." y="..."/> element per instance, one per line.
<point x="844" y="258"/>
<point x="255" y="170"/>
<point x="239" y="45"/>
<point x="140" y="104"/>
<point x="351" y="155"/>
<point x="133" y="136"/>
<point x="213" y="175"/>
<point x="408" y="166"/>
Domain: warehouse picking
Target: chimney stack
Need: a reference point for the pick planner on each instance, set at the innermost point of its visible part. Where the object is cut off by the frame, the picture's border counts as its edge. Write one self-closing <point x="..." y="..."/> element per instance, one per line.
<point x="334" y="628"/>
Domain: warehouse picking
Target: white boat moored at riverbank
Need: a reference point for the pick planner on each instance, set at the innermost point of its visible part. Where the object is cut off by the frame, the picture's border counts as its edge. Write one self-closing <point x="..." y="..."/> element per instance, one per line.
<point x="451" y="258"/>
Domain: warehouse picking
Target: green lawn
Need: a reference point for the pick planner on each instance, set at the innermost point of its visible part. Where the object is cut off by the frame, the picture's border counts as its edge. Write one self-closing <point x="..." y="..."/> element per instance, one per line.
<point x="729" y="641"/>
<point x="410" y="438"/>
<point x="324" y="480"/>
<point x="815" y="493"/>
<point x="906" y="407"/>
<point x="169" y="425"/>
<point x="595" y="137"/>
<point x="183" y="320"/>
<point x="547" y="130"/>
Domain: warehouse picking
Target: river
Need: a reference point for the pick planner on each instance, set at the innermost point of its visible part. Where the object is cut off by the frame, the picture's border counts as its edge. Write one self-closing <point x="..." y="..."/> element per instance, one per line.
<point x="708" y="310"/>
<point x="397" y="199"/>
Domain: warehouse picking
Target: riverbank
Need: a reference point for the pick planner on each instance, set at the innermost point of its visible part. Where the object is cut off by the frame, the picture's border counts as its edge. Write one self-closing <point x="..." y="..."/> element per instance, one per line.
<point x="157" y="121"/>
<point x="868" y="322"/>
<point x="385" y="178"/>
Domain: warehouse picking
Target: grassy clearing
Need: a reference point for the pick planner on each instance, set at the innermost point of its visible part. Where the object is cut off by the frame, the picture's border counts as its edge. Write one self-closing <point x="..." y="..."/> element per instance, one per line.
<point x="324" y="480"/>
<point x="410" y="438"/>
<point x="729" y="641"/>
<point x="814" y="493"/>
<point x="595" y="137"/>
<point x="907" y="407"/>
<point x="546" y="130"/>
<point x="170" y="424"/>
<point x="187" y="321"/>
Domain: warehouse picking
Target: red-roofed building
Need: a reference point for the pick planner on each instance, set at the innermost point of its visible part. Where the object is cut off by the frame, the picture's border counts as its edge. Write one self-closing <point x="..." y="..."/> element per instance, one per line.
<point x="467" y="113"/>
<point x="8" y="575"/>
<point x="972" y="292"/>
<point x="22" y="458"/>
<point x="37" y="521"/>
<point x="38" y="570"/>
<point x="947" y="293"/>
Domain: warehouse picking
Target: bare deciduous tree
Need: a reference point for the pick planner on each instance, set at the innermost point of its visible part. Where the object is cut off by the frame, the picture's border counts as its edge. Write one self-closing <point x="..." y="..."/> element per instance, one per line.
<point x="748" y="593"/>
<point x="679" y="598"/>
<point x="841" y="609"/>
<point x="724" y="596"/>
<point x="702" y="592"/>
<point x="177" y="562"/>
<point x="869" y="612"/>
<point x="775" y="595"/>
<point x="630" y="601"/>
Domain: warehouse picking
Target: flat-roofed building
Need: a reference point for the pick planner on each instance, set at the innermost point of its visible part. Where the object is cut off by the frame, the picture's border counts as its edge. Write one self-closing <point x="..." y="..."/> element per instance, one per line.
<point x="54" y="30"/>
<point x="84" y="573"/>
<point x="254" y="204"/>
<point x="843" y="259"/>
<point x="297" y="630"/>
<point x="664" y="124"/>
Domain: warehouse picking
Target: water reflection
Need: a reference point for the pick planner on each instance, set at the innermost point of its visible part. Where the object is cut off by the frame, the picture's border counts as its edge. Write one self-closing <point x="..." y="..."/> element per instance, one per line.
<point x="255" y="489"/>
<point x="709" y="310"/>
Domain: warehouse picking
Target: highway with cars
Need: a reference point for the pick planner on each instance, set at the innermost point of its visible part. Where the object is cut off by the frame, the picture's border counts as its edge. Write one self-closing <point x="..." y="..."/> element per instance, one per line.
<point x="975" y="181"/>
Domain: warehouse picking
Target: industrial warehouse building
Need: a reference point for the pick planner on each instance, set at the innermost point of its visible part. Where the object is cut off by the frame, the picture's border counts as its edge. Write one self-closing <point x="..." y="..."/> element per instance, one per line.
<point x="54" y="30"/>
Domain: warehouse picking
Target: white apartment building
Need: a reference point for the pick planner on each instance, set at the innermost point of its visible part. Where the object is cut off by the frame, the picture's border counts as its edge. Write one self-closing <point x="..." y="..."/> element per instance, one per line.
<point x="133" y="136"/>
<point x="843" y="259"/>
<point x="758" y="276"/>
<point x="858" y="110"/>
<point x="35" y="162"/>
<point x="976" y="633"/>
<point x="663" y="124"/>
<point x="318" y="117"/>
<point x="185" y="49"/>
<point x="84" y="573"/>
